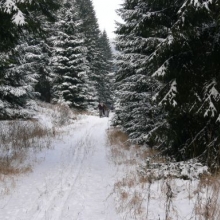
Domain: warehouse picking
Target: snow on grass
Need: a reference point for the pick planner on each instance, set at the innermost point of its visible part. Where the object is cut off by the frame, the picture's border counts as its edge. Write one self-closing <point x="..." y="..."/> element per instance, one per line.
<point x="71" y="180"/>
<point x="155" y="189"/>
<point x="91" y="172"/>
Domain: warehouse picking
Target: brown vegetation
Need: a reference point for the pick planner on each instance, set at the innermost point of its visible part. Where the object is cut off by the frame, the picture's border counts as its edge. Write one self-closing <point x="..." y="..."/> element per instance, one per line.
<point x="136" y="185"/>
<point x="16" y="137"/>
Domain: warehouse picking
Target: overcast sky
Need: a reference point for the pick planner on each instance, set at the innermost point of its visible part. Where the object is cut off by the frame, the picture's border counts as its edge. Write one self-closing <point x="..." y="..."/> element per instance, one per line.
<point x="106" y="15"/>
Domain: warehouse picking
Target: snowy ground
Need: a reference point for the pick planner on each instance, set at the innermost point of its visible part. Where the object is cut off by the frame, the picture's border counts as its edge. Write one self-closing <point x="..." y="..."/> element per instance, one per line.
<point x="82" y="177"/>
<point x="71" y="181"/>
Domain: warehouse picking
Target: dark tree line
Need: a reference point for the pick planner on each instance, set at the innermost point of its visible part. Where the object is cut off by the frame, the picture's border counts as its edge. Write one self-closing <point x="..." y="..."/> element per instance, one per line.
<point x="168" y="76"/>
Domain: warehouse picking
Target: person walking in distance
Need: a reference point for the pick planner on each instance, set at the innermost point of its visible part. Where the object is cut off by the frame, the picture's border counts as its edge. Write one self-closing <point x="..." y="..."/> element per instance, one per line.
<point x="101" y="109"/>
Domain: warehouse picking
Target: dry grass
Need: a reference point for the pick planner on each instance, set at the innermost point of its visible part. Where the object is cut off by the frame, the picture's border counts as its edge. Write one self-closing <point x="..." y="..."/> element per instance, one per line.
<point x="207" y="205"/>
<point x="7" y="169"/>
<point x="127" y="156"/>
<point x="61" y="113"/>
<point x="126" y="182"/>
<point x="136" y="191"/>
<point x="119" y="147"/>
<point x="135" y="203"/>
<point x="210" y="180"/>
<point x="143" y="180"/>
<point x="16" y="137"/>
<point x="7" y="184"/>
<point x="118" y="138"/>
<point x="124" y="195"/>
<point x="64" y="114"/>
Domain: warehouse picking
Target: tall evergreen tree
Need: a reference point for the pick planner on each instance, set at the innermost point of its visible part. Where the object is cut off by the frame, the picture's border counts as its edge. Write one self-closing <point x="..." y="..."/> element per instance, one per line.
<point x="69" y="60"/>
<point x="19" y="15"/>
<point x="19" y="64"/>
<point x="177" y="43"/>
<point x="105" y="85"/>
<point x="92" y="41"/>
<point x="188" y="67"/>
<point x="146" y="25"/>
<point x="156" y="18"/>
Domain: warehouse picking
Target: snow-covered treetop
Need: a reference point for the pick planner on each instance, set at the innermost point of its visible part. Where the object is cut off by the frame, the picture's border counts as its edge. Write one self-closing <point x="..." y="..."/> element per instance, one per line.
<point x="198" y="3"/>
<point x="11" y="7"/>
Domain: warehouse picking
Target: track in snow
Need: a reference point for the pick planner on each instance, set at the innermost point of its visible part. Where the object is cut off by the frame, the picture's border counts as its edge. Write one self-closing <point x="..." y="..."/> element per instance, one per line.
<point x="72" y="183"/>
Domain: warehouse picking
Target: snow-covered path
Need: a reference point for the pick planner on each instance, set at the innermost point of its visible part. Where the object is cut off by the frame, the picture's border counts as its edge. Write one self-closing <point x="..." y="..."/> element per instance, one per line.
<point x="72" y="181"/>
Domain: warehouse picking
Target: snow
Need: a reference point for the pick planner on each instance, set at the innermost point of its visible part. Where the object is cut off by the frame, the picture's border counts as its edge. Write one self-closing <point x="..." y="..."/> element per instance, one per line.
<point x="20" y="91"/>
<point x="73" y="180"/>
<point x="171" y="94"/>
<point x="205" y="4"/>
<point x="1" y="105"/>
<point x="161" y="71"/>
<point x="82" y="177"/>
<point x="210" y="94"/>
<point x="10" y="6"/>
<point x="19" y="18"/>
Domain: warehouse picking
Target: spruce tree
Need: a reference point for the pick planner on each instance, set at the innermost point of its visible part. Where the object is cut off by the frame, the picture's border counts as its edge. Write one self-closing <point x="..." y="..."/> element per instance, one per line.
<point x="146" y="26"/>
<point x="69" y="60"/>
<point x="19" y="64"/>
<point x="106" y="84"/>
<point x="186" y="64"/>
<point x="92" y="42"/>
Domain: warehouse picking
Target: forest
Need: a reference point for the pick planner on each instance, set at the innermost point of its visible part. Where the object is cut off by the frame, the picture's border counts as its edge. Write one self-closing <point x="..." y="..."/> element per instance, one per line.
<point x="166" y="81"/>
<point x="53" y="51"/>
